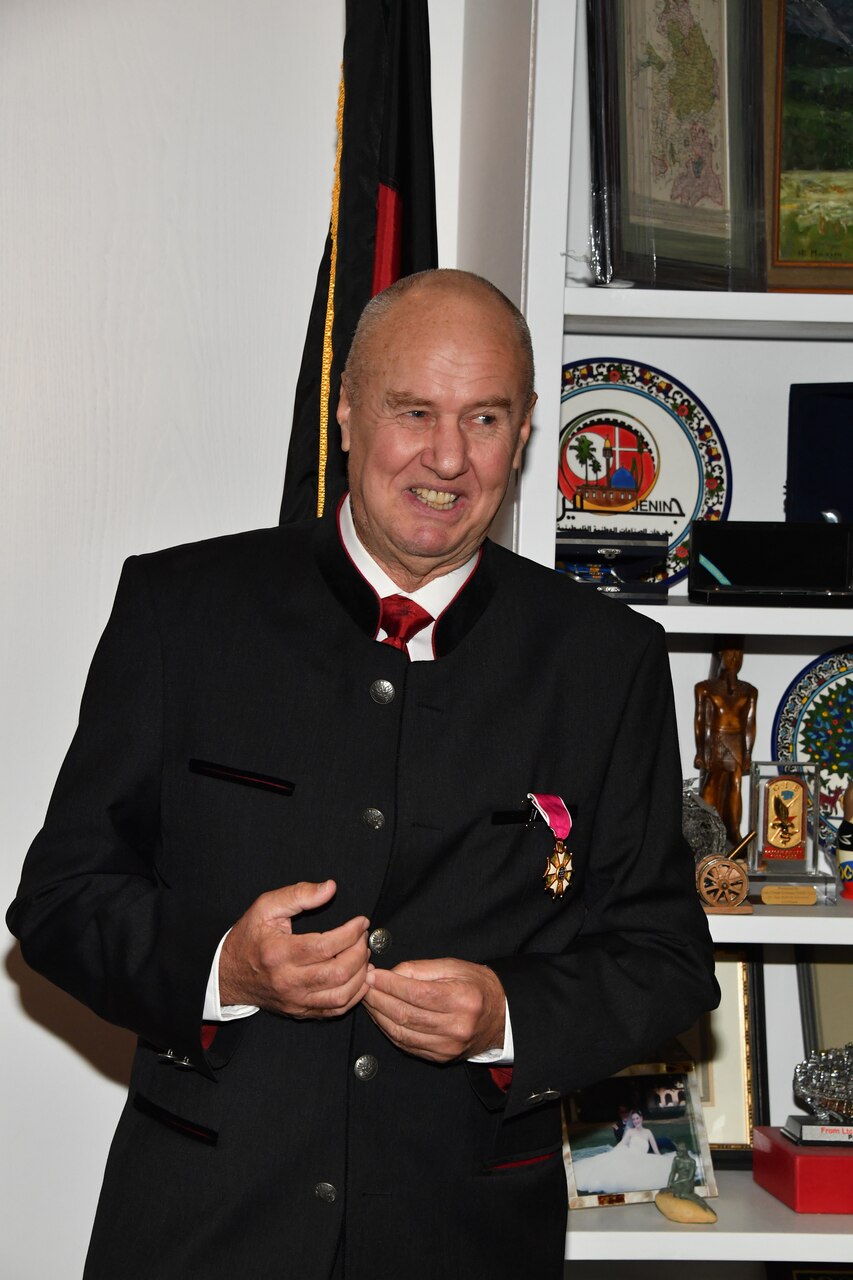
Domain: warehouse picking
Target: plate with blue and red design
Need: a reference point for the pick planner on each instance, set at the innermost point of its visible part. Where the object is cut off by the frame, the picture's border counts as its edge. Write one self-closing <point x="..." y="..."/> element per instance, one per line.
<point x="814" y="722"/>
<point x="639" y="453"/>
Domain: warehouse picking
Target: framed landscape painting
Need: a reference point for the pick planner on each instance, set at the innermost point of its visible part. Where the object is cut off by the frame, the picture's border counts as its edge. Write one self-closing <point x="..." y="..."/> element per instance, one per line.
<point x="808" y="127"/>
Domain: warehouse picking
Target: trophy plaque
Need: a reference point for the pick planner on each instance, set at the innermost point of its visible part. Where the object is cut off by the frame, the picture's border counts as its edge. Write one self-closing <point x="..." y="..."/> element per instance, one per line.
<point x="784" y="813"/>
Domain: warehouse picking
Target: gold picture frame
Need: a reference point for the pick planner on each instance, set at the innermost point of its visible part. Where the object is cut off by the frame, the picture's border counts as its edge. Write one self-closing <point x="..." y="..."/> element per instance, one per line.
<point x="727" y="1047"/>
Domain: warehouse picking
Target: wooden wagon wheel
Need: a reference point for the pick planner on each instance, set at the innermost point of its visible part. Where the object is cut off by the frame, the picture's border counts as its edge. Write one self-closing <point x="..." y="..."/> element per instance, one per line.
<point x="721" y="882"/>
<point x="705" y="862"/>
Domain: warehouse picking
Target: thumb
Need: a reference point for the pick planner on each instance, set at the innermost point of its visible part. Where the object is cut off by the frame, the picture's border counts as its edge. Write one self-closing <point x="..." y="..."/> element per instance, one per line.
<point x="306" y="895"/>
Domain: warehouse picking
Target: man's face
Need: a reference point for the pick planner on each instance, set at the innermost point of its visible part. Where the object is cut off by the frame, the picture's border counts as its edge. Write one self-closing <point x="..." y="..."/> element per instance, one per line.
<point x="433" y="431"/>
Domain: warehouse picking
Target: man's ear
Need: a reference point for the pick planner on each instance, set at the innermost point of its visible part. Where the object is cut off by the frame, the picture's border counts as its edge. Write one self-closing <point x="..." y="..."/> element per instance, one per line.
<point x="523" y="436"/>
<point x="344" y="411"/>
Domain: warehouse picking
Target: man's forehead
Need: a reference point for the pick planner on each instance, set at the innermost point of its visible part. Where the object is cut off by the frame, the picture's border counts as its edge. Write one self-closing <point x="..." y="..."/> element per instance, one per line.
<point x="483" y="340"/>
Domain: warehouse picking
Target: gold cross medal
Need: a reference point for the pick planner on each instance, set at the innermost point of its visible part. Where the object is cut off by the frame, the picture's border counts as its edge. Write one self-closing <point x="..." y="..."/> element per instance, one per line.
<point x="558" y="869"/>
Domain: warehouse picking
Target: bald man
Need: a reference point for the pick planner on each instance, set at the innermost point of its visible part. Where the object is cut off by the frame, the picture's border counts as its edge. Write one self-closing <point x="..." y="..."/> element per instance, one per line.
<point x="371" y="832"/>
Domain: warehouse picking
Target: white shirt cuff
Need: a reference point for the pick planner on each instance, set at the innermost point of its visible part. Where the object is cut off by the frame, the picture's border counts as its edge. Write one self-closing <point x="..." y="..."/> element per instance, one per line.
<point x="213" y="1010"/>
<point x="505" y="1056"/>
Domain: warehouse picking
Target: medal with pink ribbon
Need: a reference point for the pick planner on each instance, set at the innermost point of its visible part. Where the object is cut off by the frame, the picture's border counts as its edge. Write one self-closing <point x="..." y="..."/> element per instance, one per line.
<point x="558" y="869"/>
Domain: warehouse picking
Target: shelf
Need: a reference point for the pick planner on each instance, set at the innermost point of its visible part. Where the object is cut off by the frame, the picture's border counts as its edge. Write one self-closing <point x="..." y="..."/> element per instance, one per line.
<point x="752" y="1225"/>
<point x="816" y="926"/>
<point x="680" y="616"/>
<point x="665" y="312"/>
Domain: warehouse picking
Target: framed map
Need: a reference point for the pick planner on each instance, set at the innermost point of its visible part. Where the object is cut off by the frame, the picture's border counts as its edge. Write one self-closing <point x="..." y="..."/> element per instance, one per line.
<point x="677" y="179"/>
<point x="808" y="124"/>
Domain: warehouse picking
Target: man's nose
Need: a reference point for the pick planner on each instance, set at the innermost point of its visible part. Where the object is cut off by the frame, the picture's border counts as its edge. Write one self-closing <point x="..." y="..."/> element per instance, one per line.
<point x="447" y="451"/>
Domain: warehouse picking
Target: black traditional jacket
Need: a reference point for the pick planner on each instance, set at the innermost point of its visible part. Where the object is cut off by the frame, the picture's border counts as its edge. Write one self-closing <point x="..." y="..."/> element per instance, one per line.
<point x="233" y="739"/>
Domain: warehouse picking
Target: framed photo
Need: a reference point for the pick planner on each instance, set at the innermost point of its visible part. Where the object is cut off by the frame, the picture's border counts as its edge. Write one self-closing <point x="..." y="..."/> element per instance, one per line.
<point x="808" y="130"/>
<point x="622" y="1135"/>
<point x="728" y="1049"/>
<point x="677" y="178"/>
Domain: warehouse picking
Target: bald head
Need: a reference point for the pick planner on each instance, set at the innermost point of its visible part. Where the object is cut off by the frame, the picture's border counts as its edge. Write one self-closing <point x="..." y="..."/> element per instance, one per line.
<point x="423" y="288"/>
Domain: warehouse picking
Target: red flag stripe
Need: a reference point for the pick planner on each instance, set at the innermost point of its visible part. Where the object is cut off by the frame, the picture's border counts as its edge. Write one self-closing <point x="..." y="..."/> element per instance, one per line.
<point x="389" y="239"/>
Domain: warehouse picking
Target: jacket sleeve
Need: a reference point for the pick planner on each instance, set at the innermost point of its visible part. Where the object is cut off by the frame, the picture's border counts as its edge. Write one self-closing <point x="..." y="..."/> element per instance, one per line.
<point x="641" y="968"/>
<point x="93" y="912"/>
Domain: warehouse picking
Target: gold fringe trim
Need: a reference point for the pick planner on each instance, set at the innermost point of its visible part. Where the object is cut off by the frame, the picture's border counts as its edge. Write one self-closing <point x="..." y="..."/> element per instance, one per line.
<point x="326" y="366"/>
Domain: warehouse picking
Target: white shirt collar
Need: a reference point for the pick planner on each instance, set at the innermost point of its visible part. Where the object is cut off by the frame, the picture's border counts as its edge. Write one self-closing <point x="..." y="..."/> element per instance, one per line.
<point x="434" y="597"/>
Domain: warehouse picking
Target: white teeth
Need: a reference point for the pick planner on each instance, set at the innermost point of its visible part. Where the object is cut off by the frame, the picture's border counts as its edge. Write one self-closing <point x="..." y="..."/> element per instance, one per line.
<point x="438" y="500"/>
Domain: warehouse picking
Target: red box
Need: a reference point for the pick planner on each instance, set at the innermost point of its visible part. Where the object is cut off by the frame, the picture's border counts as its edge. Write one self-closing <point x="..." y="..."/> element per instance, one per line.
<point x="809" y="1179"/>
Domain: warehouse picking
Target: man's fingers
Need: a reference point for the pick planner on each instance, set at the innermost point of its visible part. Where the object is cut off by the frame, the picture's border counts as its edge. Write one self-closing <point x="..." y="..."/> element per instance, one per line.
<point x="433" y="1046"/>
<point x="292" y="899"/>
<point x="415" y="992"/>
<point x="263" y="962"/>
<point x="334" y="1001"/>
<point x="338" y="971"/>
<point x="314" y="948"/>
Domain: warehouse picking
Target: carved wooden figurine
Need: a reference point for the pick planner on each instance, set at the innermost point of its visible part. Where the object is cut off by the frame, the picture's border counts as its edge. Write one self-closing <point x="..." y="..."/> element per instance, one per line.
<point x="725" y="734"/>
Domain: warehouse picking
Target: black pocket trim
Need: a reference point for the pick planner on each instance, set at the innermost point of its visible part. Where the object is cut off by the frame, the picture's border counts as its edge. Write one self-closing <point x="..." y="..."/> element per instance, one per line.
<point x="245" y="777"/>
<point x="198" y="1131"/>
<point x="526" y="815"/>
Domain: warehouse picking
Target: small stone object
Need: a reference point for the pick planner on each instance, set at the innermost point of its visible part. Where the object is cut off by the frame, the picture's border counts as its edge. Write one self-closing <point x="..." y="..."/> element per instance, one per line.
<point x="703" y="828"/>
<point x="678" y="1209"/>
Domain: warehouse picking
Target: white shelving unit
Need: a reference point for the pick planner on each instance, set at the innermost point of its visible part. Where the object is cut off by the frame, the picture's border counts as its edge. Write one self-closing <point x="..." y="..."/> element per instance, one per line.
<point x="520" y="242"/>
<point x="787" y="926"/>
<point x="681" y="617"/>
<point x="752" y="1224"/>
<point x="814" y="317"/>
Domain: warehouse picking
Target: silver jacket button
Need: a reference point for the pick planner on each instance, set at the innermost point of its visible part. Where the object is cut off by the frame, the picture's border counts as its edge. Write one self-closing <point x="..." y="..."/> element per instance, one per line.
<point x="379" y="941"/>
<point x="365" y="1067"/>
<point x="382" y="691"/>
<point x="373" y="818"/>
<point x="325" y="1191"/>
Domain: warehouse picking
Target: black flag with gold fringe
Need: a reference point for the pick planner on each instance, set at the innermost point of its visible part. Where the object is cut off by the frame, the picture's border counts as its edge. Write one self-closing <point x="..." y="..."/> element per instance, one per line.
<point x="382" y="225"/>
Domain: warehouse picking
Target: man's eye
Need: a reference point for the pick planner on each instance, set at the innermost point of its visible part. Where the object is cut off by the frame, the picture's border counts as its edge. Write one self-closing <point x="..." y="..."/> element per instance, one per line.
<point x="485" y="419"/>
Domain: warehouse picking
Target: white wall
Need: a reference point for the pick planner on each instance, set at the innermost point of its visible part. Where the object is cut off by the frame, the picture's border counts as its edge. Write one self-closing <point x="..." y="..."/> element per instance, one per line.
<point x="165" y="176"/>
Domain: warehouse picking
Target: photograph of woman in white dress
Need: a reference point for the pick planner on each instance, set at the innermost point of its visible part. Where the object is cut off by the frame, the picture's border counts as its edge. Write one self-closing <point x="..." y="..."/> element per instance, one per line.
<point x="622" y="1133"/>
<point x="634" y="1164"/>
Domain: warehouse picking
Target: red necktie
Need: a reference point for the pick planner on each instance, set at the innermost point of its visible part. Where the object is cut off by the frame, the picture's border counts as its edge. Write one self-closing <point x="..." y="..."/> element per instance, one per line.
<point x="402" y="618"/>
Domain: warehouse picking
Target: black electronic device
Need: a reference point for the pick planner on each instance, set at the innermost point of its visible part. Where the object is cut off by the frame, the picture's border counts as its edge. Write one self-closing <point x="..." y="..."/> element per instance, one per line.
<point x="758" y="562"/>
<point x="819" y="483"/>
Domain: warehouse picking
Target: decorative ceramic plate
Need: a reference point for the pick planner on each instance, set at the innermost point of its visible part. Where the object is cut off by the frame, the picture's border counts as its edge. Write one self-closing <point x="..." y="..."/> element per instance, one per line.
<point x="814" y="721"/>
<point x="639" y="453"/>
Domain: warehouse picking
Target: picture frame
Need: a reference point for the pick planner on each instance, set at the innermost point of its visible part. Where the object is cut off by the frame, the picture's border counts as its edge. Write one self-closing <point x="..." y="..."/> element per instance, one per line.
<point x="728" y="1047"/>
<point x="808" y="142"/>
<point x="611" y="1128"/>
<point x="677" y="180"/>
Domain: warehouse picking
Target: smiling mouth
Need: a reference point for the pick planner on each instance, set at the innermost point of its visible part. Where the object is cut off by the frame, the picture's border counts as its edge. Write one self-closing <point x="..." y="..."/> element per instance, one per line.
<point x="435" y="499"/>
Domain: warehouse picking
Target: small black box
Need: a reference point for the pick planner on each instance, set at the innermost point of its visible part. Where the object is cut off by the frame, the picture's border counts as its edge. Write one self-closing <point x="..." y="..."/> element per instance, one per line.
<point x="758" y="562"/>
<point x="624" y="565"/>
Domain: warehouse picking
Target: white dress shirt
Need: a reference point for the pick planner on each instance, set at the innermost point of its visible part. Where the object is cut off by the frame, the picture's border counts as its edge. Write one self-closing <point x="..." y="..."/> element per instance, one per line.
<point x="435" y="597"/>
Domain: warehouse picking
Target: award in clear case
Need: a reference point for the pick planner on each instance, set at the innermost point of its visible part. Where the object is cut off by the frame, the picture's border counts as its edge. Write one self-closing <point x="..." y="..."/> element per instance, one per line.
<point x="784" y="814"/>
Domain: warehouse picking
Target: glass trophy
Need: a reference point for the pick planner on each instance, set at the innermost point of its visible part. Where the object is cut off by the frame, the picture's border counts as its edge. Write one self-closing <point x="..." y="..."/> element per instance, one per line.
<point x="784" y="814"/>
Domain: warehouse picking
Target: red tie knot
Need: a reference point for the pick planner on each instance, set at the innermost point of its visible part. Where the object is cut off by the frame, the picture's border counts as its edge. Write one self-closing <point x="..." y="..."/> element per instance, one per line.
<point x="402" y="618"/>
